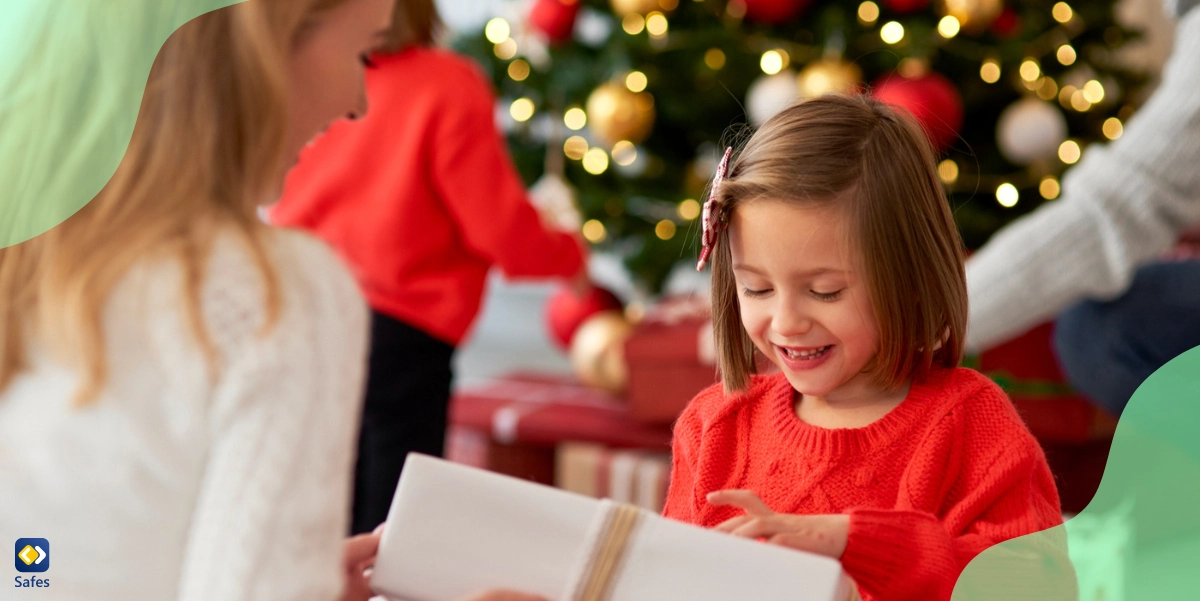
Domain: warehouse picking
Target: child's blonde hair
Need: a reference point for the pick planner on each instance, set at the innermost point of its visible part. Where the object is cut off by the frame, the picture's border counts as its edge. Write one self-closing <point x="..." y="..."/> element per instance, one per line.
<point x="207" y="147"/>
<point x="857" y="154"/>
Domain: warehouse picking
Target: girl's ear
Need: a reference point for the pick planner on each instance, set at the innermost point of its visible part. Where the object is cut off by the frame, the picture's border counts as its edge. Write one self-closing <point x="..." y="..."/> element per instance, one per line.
<point x="942" y="339"/>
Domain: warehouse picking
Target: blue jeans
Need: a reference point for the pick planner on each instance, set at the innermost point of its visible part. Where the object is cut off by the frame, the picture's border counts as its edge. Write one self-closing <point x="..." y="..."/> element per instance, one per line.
<point x="1107" y="349"/>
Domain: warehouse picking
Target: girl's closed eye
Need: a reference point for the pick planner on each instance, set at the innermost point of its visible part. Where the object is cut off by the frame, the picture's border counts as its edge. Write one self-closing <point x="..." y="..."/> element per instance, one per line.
<point x="827" y="296"/>
<point x="755" y="293"/>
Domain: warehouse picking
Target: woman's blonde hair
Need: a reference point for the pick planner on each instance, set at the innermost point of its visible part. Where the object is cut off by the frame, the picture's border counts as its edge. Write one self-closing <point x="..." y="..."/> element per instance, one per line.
<point x="415" y="23"/>
<point x="858" y="154"/>
<point x="207" y="148"/>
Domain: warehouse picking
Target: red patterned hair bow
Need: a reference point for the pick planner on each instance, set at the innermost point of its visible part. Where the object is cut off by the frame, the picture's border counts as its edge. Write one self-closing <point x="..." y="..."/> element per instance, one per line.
<point x="713" y="222"/>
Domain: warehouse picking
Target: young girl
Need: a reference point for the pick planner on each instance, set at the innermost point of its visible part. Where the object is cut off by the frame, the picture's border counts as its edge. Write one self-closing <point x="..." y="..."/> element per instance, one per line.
<point x="836" y="258"/>
<point x="421" y="200"/>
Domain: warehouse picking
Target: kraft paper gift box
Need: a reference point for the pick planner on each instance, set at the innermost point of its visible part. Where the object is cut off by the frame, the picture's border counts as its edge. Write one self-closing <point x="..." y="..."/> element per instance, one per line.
<point x="454" y="531"/>
<point x="622" y="475"/>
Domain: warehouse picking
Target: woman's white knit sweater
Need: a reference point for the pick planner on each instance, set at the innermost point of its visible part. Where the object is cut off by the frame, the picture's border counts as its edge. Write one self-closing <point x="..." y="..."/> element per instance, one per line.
<point x="1122" y="206"/>
<point x="180" y="482"/>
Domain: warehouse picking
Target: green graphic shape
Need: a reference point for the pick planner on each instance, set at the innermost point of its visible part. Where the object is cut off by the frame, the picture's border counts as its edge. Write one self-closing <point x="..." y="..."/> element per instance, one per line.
<point x="72" y="74"/>
<point x="1139" y="538"/>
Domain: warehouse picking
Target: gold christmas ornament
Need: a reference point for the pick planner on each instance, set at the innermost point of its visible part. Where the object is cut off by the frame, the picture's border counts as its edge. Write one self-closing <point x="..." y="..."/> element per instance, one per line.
<point x="635" y="7"/>
<point x="828" y="76"/>
<point x="598" y="351"/>
<point x="974" y="15"/>
<point x="614" y="113"/>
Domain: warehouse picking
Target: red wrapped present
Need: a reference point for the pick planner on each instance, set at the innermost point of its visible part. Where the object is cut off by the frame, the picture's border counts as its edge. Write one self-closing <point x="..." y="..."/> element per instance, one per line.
<point x="512" y="425"/>
<point x="547" y="410"/>
<point x="1028" y="371"/>
<point x="477" y="449"/>
<point x="671" y="358"/>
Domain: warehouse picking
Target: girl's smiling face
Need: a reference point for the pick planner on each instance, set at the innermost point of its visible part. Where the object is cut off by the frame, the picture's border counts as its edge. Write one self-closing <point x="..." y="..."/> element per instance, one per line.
<point x="803" y="300"/>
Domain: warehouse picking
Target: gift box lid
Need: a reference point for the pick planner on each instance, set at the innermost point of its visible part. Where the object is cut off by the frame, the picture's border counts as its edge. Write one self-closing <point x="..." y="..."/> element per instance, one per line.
<point x="454" y="531"/>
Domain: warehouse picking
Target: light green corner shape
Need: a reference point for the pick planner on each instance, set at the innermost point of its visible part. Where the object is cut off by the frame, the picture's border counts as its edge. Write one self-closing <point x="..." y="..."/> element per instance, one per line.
<point x="1139" y="538"/>
<point x="72" y="73"/>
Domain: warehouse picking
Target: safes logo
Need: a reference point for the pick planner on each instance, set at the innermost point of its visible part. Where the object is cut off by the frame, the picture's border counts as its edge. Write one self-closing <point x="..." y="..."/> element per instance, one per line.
<point x="33" y="555"/>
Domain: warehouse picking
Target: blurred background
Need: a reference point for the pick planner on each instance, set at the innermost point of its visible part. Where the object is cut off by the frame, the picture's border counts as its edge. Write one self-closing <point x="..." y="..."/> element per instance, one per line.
<point x="622" y="106"/>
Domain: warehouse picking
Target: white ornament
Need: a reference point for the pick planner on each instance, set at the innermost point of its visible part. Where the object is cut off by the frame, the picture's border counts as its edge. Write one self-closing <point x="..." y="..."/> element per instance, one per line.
<point x="555" y="201"/>
<point x="1030" y="130"/>
<point x="593" y="28"/>
<point x="770" y="94"/>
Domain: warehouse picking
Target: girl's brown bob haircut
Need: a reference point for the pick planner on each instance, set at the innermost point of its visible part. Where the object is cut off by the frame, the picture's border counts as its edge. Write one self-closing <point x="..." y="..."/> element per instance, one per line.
<point x="857" y="154"/>
<point x="415" y="23"/>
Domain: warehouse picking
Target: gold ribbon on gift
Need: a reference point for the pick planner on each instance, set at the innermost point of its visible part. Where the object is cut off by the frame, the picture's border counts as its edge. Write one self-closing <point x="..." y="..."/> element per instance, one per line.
<point x="611" y="547"/>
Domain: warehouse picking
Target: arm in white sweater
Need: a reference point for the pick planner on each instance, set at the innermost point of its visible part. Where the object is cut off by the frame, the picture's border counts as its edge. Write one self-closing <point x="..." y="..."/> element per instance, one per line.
<point x="273" y="505"/>
<point x="1122" y="205"/>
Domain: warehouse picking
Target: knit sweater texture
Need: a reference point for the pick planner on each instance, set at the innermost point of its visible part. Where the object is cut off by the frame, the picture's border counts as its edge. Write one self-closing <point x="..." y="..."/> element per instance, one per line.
<point x="949" y="472"/>
<point x="190" y="479"/>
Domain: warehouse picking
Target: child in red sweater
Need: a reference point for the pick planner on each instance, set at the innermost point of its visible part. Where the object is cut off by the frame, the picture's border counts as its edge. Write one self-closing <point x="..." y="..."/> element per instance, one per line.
<point x="421" y="200"/>
<point x="835" y="257"/>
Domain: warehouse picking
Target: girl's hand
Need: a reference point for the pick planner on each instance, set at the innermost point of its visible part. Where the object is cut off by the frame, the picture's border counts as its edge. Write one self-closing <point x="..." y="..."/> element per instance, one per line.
<point x="821" y="534"/>
<point x="358" y="556"/>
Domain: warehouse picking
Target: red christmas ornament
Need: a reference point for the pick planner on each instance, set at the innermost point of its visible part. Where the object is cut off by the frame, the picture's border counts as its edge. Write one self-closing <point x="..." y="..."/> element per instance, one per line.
<point x="555" y="18"/>
<point x="1007" y="25"/>
<point x="931" y="99"/>
<point x="773" y="11"/>
<point x="566" y="311"/>
<point x="906" y="6"/>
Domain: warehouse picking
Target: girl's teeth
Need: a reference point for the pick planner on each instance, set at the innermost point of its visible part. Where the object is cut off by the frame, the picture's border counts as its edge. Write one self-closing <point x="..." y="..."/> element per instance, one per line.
<point x="811" y="354"/>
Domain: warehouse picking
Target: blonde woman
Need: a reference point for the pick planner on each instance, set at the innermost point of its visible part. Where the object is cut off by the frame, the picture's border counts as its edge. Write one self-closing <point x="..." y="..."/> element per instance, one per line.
<point x="179" y="384"/>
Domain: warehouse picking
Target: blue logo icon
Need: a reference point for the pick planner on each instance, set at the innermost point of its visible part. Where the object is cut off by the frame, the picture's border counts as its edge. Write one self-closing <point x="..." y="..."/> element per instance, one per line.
<point x="33" y="555"/>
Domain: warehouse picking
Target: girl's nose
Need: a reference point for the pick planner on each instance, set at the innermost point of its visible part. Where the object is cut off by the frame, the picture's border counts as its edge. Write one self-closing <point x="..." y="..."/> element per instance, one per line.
<point x="788" y="323"/>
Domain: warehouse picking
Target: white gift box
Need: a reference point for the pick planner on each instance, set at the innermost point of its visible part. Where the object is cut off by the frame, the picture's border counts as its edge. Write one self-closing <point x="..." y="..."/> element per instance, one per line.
<point x="454" y="531"/>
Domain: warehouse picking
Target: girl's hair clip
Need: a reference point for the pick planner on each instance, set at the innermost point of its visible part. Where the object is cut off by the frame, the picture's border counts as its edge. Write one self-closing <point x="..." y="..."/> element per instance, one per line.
<point x="713" y="222"/>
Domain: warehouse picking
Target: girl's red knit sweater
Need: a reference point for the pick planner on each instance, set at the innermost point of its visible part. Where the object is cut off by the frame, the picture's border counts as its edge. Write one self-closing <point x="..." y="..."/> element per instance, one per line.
<point x="949" y="472"/>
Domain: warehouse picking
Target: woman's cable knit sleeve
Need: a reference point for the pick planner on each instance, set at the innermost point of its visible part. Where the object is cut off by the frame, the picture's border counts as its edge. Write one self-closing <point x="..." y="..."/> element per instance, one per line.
<point x="966" y="494"/>
<point x="1123" y="205"/>
<point x="272" y="508"/>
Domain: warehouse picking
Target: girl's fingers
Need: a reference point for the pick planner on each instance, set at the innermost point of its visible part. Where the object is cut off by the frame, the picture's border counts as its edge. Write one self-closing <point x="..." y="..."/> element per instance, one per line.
<point x="744" y="499"/>
<point x="733" y="523"/>
<point x="759" y="528"/>
<point x="802" y="541"/>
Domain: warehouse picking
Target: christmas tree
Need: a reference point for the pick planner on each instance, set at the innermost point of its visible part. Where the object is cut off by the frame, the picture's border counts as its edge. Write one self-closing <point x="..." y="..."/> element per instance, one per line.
<point x="631" y="101"/>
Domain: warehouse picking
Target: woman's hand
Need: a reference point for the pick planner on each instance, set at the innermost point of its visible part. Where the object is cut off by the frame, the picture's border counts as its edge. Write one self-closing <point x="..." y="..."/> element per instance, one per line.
<point x="358" y="556"/>
<point x="821" y="534"/>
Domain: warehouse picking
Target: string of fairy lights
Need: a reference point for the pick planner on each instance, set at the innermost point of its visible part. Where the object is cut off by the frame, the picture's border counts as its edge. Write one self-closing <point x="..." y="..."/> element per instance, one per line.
<point x="826" y="72"/>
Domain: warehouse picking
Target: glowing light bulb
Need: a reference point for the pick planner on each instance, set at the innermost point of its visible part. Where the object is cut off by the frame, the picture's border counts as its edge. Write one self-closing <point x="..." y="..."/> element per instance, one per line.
<point x="949" y="26"/>
<point x="521" y="110"/>
<point x="1007" y="195"/>
<point x="892" y="32"/>
<point x="497" y="30"/>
